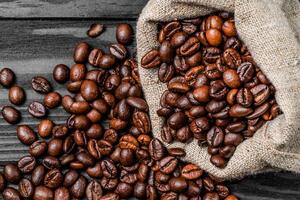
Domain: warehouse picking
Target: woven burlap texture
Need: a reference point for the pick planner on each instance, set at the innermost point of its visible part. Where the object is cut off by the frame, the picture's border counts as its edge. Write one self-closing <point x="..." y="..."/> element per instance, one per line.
<point x="270" y="29"/>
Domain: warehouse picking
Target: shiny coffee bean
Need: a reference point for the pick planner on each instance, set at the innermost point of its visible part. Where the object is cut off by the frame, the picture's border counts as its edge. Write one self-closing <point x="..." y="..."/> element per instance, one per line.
<point x="7" y="77"/>
<point x="61" y="73"/>
<point x="26" y="164"/>
<point x="81" y="52"/>
<point x="26" y="188"/>
<point x="118" y="50"/>
<point x="11" y="194"/>
<point x="26" y="135"/>
<point x="45" y="128"/>
<point x="11" y="114"/>
<point x="37" y="109"/>
<point x="95" y="30"/>
<point x="12" y="173"/>
<point x="41" y="85"/>
<point x="16" y="95"/>
<point x="124" y="34"/>
<point x="62" y="193"/>
<point x="52" y="100"/>
<point x="43" y="193"/>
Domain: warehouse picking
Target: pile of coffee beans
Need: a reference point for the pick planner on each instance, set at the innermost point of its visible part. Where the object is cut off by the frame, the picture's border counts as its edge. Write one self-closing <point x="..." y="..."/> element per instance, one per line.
<point x="82" y="158"/>
<point x="216" y="92"/>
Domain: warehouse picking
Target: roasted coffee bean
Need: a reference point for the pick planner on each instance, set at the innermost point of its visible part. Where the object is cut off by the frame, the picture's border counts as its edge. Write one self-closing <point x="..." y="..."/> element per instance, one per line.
<point x="60" y="131"/>
<point x="51" y="162"/>
<point x="213" y="36"/>
<point x="232" y="58"/>
<point x="137" y="103"/>
<point x="61" y="73"/>
<point x="7" y="77"/>
<point x="151" y="59"/>
<point x="246" y="72"/>
<point x="2" y="182"/>
<point x="106" y="61"/>
<point x="95" y="30"/>
<point x="218" y="161"/>
<point x="191" y="171"/>
<point x="109" y="169"/>
<point x="37" y="175"/>
<point x="178" y="39"/>
<point x="94" y="60"/>
<point x="231" y="78"/>
<point x="177" y="120"/>
<point x="62" y="193"/>
<point x="176" y="152"/>
<point x="26" y="135"/>
<point x="77" y="72"/>
<point x="12" y="173"/>
<point x="37" y="109"/>
<point x="85" y="158"/>
<point x="41" y="85"/>
<point x="53" y="178"/>
<point x="218" y="90"/>
<point x="45" y="128"/>
<point x="52" y="100"/>
<point x="89" y="90"/>
<point x="43" y="193"/>
<point x="26" y="164"/>
<point x="199" y="125"/>
<point x="244" y="97"/>
<point x="190" y="47"/>
<point x="16" y="95"/>
<point x="142" y="122"/>
<point x="10" y="114"/>
<point x="78" y="188"/>
<point x="215" y="136"/>
<point x="233" y="139"/>
<point x="124" y="34"/>
<point x="168" y="164"/>
<point x="166" y="52"/>
<point x="201" y="93"/>
<point x="178" y="184"/>
<point x="239" y="111"/>
<point x="156" y="149"/>
<point x="26" y="188"/>
<point x="118" y="50"/>
<point x="228" y="28"/>
<point x="55" y="147"/>
<point x="11" y="194"/>
<point x="81" y="52"/>
<point x="260" y="93"/>
<point x="93" y="191"/>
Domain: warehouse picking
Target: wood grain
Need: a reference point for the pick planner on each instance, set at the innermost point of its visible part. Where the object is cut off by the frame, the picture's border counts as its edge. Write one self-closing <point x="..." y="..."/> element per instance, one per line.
<point x="71" y="8"/>
<point x="38" y="34"/>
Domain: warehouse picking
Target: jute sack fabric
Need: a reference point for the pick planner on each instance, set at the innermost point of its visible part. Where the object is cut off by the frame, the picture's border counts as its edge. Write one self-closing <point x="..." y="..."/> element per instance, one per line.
<point x="270" y="29"/>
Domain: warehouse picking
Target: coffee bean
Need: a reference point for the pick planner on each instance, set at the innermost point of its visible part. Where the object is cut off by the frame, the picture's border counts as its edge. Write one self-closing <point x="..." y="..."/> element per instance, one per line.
<point x="215" y="136"/>
<point x="94" y="59"/>
<point x="26" y="164"/>
<point x="77" y="72"/>
<point x="11" y="114"/>
<point x="201" y="93"/>
<point x="261" y="93"/>
<point x="141" y="121"/>
<point x="52" y="99"/>
<point x="45" y="128"/>
<point x="55" y="147"/>
<point x="51" y="162"/>
<point x="239" y="111"/>
<point x="95" y="30"/>
<point x="109" y="169"/>
<point x="177" y="120"/>
<point x="190" y="47"/>
<point x="62" y="193"/>
<point x="168" y="164"/>
<point x="26" y="135"/>
<point x="2" y="182"/>
<point x="106" y="61"/>
<point x="124" y="34"/>
<point x="118" y="50"/>
<point x="232" y="58"/>
<point x="43" y="193"/>
<point x="53" y="178"/>
<point x="138" y="103"/>
<point x="228" y="28"/>
<point x="231" y="78"/>
<point x="37" y="175"/>
<point x="178" y="184"/>
<point x="41" y="85"/>
<point x="218" y="161"/>
<point x="93" y="191"/>
<point x="81" y="52"/>
<point x="89" y="90"/>
<point x="213" y="36"/>
<point x="61" y="73"/>
<point x="78" y="188"/>
<point x="244" y="97"/>
<point x="16" y="95"/>
<point x="151" y="59"/>
<point x="12" y="173"/>
<point x="191" y="171"/>
<point x="7" y="77"/>
<point x="26" y="188"/>
<point x="37" y="109"/>
<point x="11" y="194"/>
<point x="246" y="71"/>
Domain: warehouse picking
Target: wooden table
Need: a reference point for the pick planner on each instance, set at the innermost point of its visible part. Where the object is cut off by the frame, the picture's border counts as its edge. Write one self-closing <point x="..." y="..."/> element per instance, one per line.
<point x="38" y="34"/>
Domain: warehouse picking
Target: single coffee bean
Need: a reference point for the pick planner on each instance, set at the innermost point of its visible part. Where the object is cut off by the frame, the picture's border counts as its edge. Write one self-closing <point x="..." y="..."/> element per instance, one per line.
<point x="178" y="184"/>
<point x="26" y="135"/>
<point x="62" y="193"/>
<point x="218" y="161"/>
<point x="89" y="90"/>
<point x="124" y="190"/>
<point x="45" y="128"/>
<point x="95" y="30"/>
<point x="94" y="58"/>
<point x="78" y="188"/>
<point x="106" y="61"/>
<point x="26" y="188"/>
<point x="151" y="59"/>
<point x="228" y="28"/>
<point x="246" y="71"/>
<point x="61" y="73"/>
<point x="11" y="114"/>
<point x="124" y="34"/>
<point x="37" y="109"/>
<point x="52" y="99"/>
<point x="7" y="77"/>
<point x="260" y="93"/>
<point x="37" y="175"/>
<point x="109" y="169"/>
<point x="233" y="139"/>
<point x="12" y="173"/>
<point x="231" y="78"/>
<point x="70" y="177"/>
<point x="55" y="147"/>
<point x="168" y="164"/>
<point x="239" y="111"/>
<point x="118" y="50"/>
<point x="191" y="171"/>
<point x="11" y="194"/>
<point x="26" y="164"/>
<point x="215" y="136"/>
<point x="85" y="158"/>
<point x="81" y="52"/>
<point x="244" y="97"/>
<point x="213" y="36"/>
<point x="51" y="162"/>
<point x="16" y="95"/>
<point x="166" y="52"/>
<point x="232" y="58"/>
<point x="201" y="93"/>
<point x="77" y="72"/>
<point x="93" y="190"/>
<point x="190" y="47"/>
<point x="43" y="193"/>
<point x="41" y="85"/>
<point x="53" y="178"/>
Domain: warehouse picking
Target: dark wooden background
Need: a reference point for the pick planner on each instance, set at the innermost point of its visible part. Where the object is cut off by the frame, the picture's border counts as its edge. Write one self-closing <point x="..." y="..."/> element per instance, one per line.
<point x="38" y="34"/>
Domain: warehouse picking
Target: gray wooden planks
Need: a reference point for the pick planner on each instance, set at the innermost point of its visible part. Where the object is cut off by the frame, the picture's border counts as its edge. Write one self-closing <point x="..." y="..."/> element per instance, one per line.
<point x="71" y="8"/>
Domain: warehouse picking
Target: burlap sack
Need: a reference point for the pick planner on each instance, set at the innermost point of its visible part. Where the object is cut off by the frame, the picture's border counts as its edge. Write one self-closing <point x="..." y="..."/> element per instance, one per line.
<point x="270" y="29"/>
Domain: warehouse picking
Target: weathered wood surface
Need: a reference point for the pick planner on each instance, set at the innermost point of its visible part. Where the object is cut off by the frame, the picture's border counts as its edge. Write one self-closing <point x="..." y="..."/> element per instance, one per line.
<point x="71" y="8"/>
<point x="33" y="47"/>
